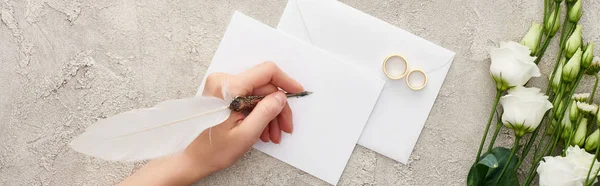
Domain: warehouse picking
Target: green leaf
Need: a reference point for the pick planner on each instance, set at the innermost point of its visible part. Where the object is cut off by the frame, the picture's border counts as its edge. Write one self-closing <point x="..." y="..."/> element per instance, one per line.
<point x="510" y="176"/>
<point x="489" y="161"/>
<point x="477" y="174"/>
<point x="479" y="171"/>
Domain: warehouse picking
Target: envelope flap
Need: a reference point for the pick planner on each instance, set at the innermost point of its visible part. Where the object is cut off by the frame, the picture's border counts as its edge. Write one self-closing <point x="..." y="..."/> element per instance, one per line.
<point x="357" y="36"/>
<point x="294" y="22"/>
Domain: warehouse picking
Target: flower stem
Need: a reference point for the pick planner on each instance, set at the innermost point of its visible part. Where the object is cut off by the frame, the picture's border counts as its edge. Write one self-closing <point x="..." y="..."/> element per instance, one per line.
<point x="548" y="115"/>
<point x="546" y="4"/>
<point x="487" y="127"/>
<point x="556" y="139"/>
<point x="557" y="129"/>
<point x="566" y="29"/>
<point x="537" y="148"/>
<point x="496" y="131"/>
<point x="531" y="141"/>
<point x="576" y="126"/>
<point x="594" y="90"/>
<point x="595" y="155"/>
<point x="571" y="92"/>
<point x="540" y="53"/>
<point x="512" y="154"/>
<point x="531" y="174"/>
<point x="565" y="32"/>
<point x="598" y="147"/>
<point x="549" y="87"/>
<point x="536" y="159"/>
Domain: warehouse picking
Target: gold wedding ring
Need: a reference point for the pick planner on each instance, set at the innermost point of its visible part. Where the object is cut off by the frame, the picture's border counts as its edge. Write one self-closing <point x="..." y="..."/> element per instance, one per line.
<point x="406" y="73"/>
<point x="385" y="68"/>
<point x="424" y="80"/>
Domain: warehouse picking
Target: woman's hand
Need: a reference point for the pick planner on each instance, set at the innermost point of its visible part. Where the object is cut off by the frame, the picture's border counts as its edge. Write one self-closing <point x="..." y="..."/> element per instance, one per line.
<point x="221" y="146"/>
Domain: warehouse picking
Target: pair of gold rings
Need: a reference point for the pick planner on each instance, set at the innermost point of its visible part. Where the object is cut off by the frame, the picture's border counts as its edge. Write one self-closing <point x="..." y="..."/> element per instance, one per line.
<point x="406" y="73"/>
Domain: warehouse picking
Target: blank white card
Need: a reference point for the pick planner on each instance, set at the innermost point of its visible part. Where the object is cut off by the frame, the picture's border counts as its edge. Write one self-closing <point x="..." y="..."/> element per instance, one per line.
<point x="328" y="123"/>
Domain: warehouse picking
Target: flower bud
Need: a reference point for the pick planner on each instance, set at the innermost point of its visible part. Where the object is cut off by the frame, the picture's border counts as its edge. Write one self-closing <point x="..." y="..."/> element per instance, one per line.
<point x="598" y="119"/>
<point x="532" y="38"/>
<point x="552" y="24"/>
<point x="592" y="141"/>
<point x="575" y="12"/>
<point x="579" y="137"/>
<point x="571" y="69"/>
<point x="558" y="107"/>
<point x="588" y="55"/>
<point x="553" y="125"/>
<point x="573" y="42"/>
<point x="558" y="76"/>
<point x="573" y="112"/>
<point x="594" y="66"/>
<point x="568" y="128"/>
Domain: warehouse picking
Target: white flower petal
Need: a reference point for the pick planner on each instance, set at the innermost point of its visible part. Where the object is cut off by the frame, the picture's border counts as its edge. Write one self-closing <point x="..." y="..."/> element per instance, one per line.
<point x="587" y="107"/>
<point x="524" y="107"/>
<point x="557" y="171"/>
<point x="512" y="63"/>
<point x="581" y="96"/>
<point x="596" y="60"/>
<point x="581" y="161"/>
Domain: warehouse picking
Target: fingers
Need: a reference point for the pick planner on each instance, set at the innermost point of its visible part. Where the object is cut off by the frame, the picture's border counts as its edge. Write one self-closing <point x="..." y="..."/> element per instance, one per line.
<point x="265" y="135"/>
<point x="268" y="73"/>
<point x="275" y="132"/>
<point x="285" y="119"/>
<point x="265" y="111"/>
<point x="265" y="90"/>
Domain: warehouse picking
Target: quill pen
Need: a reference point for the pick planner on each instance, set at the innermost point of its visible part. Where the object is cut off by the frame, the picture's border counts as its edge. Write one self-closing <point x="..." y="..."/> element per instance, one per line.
<point x="167" y="128"/>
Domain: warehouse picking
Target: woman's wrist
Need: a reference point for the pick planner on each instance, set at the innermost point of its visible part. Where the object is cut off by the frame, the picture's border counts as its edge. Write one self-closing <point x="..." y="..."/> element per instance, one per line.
<point x="194" y="167"/>
<point x="178" y="169"/>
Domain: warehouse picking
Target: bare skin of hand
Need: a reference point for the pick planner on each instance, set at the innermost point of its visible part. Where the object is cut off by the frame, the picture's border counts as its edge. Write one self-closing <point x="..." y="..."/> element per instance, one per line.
<point x="222" y="145"/>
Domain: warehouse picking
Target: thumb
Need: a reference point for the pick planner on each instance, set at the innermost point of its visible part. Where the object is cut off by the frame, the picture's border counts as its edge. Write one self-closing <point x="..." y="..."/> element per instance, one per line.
<point x="265" y="111"/>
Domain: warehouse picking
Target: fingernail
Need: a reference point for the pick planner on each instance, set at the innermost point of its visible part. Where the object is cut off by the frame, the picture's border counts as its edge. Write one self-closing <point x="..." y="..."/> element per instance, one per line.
<point x="281" y="98"/>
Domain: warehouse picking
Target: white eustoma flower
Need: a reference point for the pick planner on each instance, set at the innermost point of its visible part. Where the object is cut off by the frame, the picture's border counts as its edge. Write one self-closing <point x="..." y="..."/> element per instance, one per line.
<point x="524" y="108"/>
<point x="581" y="96"/>
<point x="587" y="108"/>
<point x="512" y="66"/>
<point x="570" y="170"/>
<point x="557" y="171"/>
<point x="582" y="161"/>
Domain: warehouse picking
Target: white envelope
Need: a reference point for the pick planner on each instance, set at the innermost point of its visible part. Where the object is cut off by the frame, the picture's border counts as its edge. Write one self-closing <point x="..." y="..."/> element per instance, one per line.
<point x="328" y="123"/>
<point x="353" y="36"/>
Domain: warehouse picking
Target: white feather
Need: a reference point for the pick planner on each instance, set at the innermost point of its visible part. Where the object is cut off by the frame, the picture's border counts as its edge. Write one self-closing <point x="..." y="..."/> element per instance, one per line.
<point x="167" y="128"/>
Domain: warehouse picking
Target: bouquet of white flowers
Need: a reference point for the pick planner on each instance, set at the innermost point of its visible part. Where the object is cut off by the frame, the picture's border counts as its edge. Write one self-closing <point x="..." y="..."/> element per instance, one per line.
<point x="543" y="120"/>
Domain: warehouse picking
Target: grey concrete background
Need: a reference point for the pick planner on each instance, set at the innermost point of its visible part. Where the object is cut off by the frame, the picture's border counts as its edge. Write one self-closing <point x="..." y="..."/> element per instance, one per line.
<point x="67" y="63"/>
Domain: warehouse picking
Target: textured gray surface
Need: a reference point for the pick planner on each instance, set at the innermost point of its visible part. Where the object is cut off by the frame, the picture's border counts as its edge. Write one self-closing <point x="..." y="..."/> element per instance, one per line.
<point x="67" y="63"/>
